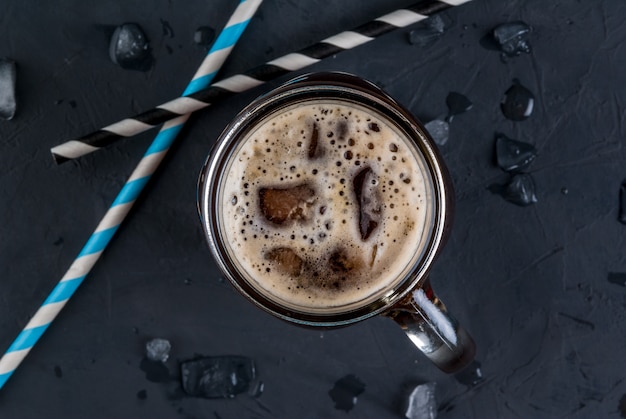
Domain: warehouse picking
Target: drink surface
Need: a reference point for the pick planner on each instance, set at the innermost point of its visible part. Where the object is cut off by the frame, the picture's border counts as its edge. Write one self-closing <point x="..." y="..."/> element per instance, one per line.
<point x="325" y="204"/>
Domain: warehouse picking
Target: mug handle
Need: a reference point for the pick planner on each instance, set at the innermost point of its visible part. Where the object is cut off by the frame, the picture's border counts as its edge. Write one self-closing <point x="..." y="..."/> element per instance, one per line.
<point x="427" y="323"/>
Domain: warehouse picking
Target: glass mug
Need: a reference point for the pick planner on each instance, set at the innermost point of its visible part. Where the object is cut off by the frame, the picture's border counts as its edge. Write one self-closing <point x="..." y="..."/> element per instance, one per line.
<point x="325" y="203"/>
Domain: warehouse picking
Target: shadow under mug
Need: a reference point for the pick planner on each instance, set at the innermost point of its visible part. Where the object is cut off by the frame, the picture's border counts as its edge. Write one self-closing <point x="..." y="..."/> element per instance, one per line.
<point x="409" y="300"/>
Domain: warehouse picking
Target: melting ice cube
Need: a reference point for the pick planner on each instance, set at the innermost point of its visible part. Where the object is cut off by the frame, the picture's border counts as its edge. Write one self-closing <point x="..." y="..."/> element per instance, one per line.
<point x="367" y="196"/>
<point x="286" y="260"/>
<point x="158" y="349"/>
<point x="439" y="131"/>
<point x="513" y="155"/>
<point x="281" y="204"/>
<point x="422" y="403"/>
<point x="7" y="88"/>
<point x="129" y="48"/>
<point x="512" y="38"/>
<point x="218" y="376"/>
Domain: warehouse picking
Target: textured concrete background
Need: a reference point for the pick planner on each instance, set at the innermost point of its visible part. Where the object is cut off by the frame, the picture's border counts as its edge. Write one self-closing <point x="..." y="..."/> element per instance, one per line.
<point x="530" y="283"/>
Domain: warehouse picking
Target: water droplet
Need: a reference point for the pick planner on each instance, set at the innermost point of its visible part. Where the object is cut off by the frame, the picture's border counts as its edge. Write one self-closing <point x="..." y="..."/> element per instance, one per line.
<point x="457" y="104"/>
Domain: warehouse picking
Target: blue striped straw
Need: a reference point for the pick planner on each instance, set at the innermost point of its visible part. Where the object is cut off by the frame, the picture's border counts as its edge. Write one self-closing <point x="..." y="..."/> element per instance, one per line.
<point x="101" y="237"/>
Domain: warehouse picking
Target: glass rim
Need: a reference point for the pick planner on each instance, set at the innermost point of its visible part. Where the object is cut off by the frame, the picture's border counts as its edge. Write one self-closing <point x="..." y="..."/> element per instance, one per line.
<point x="310" y="87"/>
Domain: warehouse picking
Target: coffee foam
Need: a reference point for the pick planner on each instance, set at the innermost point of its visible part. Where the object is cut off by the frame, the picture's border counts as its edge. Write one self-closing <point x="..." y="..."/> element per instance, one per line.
<point x="314" y="255"/>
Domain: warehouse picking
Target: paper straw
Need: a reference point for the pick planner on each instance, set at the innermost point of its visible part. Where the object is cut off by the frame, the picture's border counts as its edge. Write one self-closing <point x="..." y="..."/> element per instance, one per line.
<point x="125" y="199"/>
<point x="252" y="78"/>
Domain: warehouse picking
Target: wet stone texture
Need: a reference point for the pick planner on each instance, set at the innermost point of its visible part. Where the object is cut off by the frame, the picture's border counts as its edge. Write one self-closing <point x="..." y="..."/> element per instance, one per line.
<point x="369" y="201"/>
<point x="541" y="288"/>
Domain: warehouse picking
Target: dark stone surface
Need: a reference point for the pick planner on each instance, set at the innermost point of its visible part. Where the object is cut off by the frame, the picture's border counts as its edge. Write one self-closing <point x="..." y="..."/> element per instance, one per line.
<point x="526" y="282"/>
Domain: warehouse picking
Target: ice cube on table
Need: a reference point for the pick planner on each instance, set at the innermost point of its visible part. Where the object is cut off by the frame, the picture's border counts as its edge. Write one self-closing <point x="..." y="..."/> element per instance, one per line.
<point x="217" y="376"/>
<point x="422" y="402"/>
<point x="513" y="155"/>
<point x="512" y="38"/>
<point x="436" y="23"/>
<point x="457" y="104"/>
<point x="429" y="32"/>
<point x="439" y="131"/>
<point x="520" y="190"/>
<point x="8" y="73"/>
<point x="130" y="48"/>
<point x="158" y="349"/>
<point x="423" y="37"/>
<point x="518" y="102"/>
<point x="285" y="260"/>
<point x="279" y="205"/>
